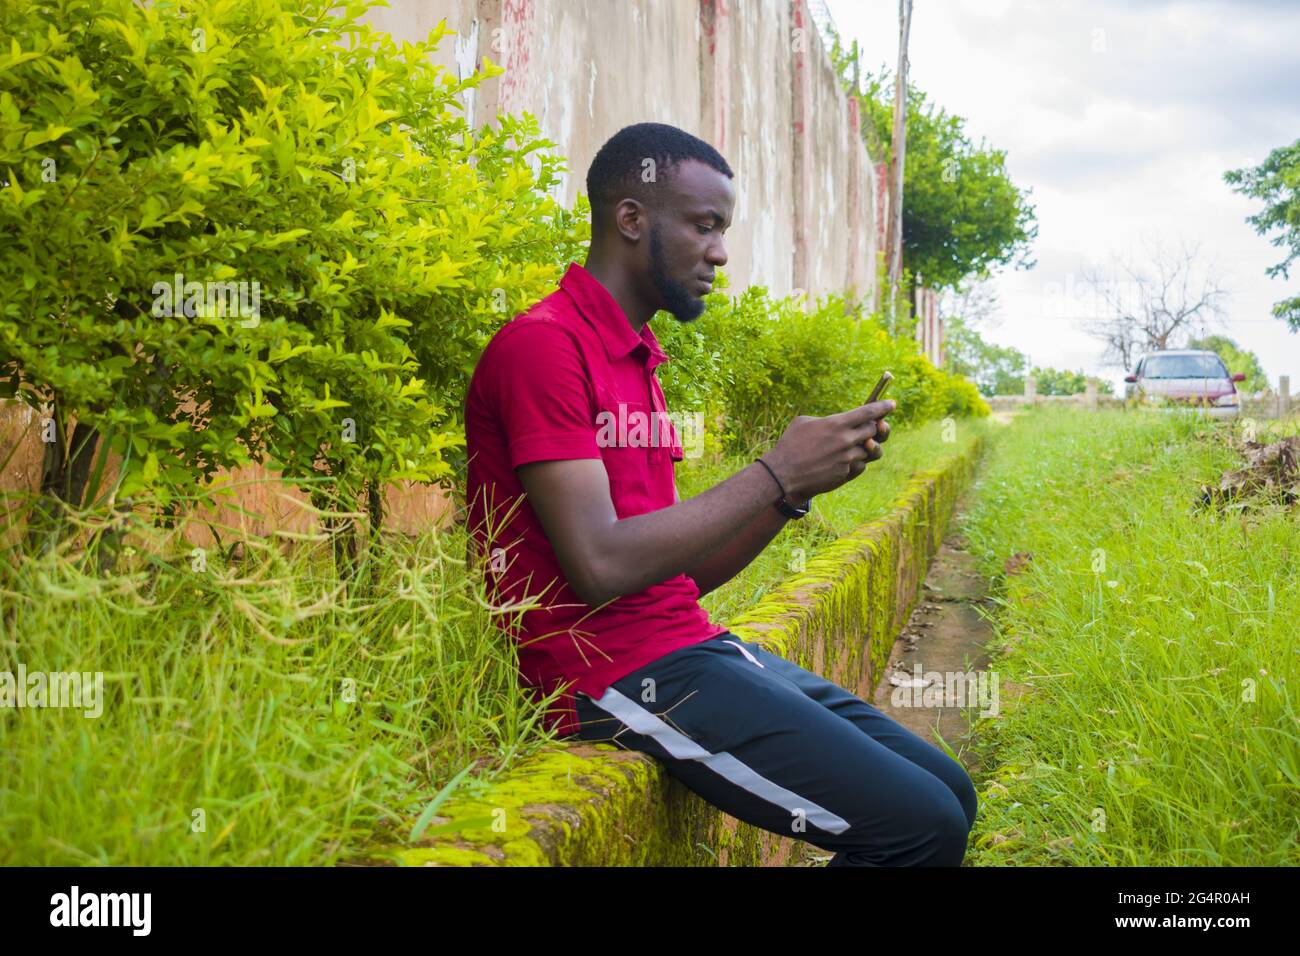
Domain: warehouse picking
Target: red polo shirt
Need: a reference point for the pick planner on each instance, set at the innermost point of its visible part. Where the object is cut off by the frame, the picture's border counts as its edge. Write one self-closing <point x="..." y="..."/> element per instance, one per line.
<point x="570" y="379"/>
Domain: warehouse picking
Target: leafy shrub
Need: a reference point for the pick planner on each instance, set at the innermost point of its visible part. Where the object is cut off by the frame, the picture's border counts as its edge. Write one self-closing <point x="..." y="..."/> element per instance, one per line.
<point x="752" y="362"/>
<point x="964" y="398"/>
<point x="1051" y="381"/>
<point x="287" y="146"/>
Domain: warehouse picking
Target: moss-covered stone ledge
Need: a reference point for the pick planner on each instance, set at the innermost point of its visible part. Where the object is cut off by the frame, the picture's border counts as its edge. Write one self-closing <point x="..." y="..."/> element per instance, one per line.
<point x="581" y="804"/>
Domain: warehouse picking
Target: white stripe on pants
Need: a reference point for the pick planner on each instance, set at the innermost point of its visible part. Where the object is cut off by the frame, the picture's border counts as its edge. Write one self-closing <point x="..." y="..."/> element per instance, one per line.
<point x="641" y="721"/>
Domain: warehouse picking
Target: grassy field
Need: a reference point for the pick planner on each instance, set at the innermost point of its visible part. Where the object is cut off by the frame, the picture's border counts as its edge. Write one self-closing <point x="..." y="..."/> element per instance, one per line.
<point x="1155" y="645"/>
<point x="257" y="712"/>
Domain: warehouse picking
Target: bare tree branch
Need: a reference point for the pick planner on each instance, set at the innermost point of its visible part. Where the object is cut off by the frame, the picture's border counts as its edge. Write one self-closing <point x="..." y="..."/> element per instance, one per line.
<point x="975" y="303"/>
<point x="1158" y="303"/>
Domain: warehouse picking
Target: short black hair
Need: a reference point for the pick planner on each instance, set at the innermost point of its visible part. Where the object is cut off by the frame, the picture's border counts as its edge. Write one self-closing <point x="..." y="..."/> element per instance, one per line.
<point x="616" y="172"/>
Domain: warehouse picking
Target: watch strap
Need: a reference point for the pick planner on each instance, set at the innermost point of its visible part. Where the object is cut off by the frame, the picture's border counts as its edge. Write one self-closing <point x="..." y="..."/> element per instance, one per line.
<point x="784" y="506"/>
<point x="789" y="510"/>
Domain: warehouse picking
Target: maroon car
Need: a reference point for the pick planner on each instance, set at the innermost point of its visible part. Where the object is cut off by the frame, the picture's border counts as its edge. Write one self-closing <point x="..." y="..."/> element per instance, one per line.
<point x="1188" y="379"/>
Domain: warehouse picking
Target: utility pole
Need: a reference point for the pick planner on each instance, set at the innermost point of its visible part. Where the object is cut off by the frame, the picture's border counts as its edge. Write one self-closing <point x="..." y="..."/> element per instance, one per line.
<point x="899" y="155"/>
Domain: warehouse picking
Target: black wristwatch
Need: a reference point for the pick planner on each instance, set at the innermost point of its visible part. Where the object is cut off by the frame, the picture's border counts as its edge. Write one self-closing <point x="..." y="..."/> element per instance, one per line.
<point x="784" y="506"/>
<point x="789" y="510"/>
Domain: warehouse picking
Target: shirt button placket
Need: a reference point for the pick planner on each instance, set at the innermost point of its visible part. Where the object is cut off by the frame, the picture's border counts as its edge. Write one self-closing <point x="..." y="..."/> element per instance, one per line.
<point x="657" y="449"/>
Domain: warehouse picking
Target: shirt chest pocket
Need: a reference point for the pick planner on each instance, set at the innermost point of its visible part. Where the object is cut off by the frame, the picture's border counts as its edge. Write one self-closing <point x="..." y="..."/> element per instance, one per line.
<point x="623" y="434"/>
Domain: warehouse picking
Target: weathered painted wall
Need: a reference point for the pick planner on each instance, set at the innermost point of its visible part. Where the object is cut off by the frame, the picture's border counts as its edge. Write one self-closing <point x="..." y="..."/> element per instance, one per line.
<point x="752" y="77"/>
<point x="929" y="325"/>
<point x="749" y="98"/>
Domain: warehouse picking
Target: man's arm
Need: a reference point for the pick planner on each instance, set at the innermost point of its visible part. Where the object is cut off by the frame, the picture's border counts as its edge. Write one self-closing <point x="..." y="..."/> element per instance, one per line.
<point x="740" y="551"/>
<point x="604" y="557"/>
<point x="737" y="554"/>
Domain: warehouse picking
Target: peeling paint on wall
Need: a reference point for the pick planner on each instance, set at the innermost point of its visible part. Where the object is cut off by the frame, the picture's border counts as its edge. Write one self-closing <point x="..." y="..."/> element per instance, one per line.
<point x="466" y="56"/>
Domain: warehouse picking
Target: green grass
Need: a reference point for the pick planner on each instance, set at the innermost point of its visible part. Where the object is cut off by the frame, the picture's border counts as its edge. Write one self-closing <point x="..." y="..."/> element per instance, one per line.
<point x="225" y="689"/>
<point x="225" y="693"/>
<point x="1158" y="725"/>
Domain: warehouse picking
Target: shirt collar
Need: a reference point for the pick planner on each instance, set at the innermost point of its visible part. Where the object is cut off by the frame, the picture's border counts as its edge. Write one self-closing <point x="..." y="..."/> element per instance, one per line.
<point x="604" y="313"/>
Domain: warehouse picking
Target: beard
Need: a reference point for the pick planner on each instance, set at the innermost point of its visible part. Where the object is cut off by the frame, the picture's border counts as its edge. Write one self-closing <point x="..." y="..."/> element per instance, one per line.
<point x="678" y="300"/>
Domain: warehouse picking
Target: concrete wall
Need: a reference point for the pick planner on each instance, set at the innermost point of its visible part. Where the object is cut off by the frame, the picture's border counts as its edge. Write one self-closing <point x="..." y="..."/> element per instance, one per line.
<point x="929" y="325"/>
<point x="1264" y="405"/>
<point x="751" y="77"/>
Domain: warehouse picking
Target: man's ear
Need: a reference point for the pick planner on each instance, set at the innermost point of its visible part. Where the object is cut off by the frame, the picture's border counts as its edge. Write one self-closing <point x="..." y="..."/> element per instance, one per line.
<point x="629" y="217"/>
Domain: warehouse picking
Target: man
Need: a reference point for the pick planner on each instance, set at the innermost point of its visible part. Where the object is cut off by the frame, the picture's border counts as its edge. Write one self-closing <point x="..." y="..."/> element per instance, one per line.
<point x="576" y="512"/>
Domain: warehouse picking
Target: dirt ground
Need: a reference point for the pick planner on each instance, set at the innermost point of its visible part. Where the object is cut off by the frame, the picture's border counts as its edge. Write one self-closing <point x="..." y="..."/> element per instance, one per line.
<point x="945" y="634"/>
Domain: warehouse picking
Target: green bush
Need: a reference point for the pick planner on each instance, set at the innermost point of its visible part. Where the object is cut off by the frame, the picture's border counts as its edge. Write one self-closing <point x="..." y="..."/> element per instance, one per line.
<point x="964" y="398"/>
<point x="309" y="161"/>
<point x="752" y="362"/>
<point x="1051" y="381"/>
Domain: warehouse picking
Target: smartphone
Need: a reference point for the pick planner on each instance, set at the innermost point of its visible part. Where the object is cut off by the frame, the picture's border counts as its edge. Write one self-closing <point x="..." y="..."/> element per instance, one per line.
<point x="885" y="379"/>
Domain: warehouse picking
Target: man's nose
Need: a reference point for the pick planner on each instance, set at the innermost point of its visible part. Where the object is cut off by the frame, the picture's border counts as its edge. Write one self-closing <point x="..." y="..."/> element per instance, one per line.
<point x="717" y="254"/>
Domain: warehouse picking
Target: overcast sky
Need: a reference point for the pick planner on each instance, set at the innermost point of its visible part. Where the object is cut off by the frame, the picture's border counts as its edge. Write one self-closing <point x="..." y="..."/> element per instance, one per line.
<point x="1122" y="116"/>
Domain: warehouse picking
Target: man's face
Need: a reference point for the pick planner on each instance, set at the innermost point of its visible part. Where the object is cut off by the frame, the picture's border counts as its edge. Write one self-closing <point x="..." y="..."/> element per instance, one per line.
<point x="686" y="237"/>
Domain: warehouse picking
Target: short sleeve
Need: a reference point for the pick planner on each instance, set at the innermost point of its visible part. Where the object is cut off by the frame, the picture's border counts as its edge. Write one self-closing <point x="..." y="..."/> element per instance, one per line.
<point x="542" y="394"/>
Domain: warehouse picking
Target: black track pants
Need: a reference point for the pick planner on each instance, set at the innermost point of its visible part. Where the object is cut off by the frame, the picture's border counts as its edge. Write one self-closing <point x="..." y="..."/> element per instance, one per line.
<point x="780" y="748"/>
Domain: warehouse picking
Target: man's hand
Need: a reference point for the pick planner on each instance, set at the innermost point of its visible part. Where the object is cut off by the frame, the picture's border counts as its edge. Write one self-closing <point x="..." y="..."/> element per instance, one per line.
<point x="874" y="451"/>
<point x="816" y="455"/>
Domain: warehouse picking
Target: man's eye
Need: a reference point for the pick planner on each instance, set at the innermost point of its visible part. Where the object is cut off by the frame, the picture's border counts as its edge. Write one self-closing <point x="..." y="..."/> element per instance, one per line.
<point x="704" y="230"/>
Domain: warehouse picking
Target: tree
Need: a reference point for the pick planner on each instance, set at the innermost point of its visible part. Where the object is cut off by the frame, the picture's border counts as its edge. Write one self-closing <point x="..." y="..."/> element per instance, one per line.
<point x="962" y="214"/>
<point x="1236" y="358"/>
<point x="1276" y="182"/>
<point x="1050" y="381"/>
<point x="974" y="301"/>
<point x="1002" y="369"/>
<point x="995" y="369"/>
<point x="1156" y="304"/>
